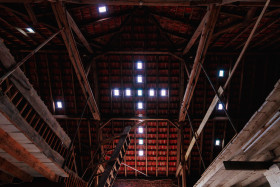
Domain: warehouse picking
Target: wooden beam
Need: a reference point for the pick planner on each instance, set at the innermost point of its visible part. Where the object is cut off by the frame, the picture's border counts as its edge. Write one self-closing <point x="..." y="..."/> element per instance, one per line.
<point x="188" y="3"/>
<point x="31" y="14"/>
<point x="22" y="83"/>
<point x="9" y="145"/>
<point x="61" y="17"/>
<point x="13" y="115"/>
<point x="78" y="32"/>
<point x="221" y="89"/>
<point x="157" y="149"/>
<point x="240" y="24"/>
<point x="146" y="146"/>
<point x="183" y="161"/>
<point x="8" y="167"/>
<point x="196" y="34"/>
<point x="6" y="178"/>
<point x="167" y="150"/>
<point x="204" y="42"/>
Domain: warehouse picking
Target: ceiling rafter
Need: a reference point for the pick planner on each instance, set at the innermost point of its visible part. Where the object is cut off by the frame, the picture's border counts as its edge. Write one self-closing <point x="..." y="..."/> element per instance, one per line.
<point x="196" y="34"/>
<point x="78" y="32"/>
<point x="204" y="42"/>
<point x="162" y="32"/>
<point x="108" y="17"/>
<point x="75" y="58"/>
<point x="240" y="24"/>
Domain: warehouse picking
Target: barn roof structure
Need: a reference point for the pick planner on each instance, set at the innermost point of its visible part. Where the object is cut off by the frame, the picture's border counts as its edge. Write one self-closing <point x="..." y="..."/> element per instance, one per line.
<point x="190" y="78"/>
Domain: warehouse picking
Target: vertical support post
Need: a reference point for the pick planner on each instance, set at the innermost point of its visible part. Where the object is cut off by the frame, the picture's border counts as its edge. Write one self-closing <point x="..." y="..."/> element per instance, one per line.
<point x="183" y="161"/>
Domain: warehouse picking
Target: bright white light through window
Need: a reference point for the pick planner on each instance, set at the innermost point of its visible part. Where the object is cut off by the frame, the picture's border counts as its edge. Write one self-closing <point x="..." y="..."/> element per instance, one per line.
<point x="217" y="142"/>
<point x="140" y="130"/>
<point x="116" y="92"/>
<point x="163" y="92"/>
<point x="141" y="152"/>
<point x="221" y="73"/>
<point x="140" y="105"/>
<point x="30" y="30"/>
<point x="139" y="79"/>
<point x="141" y="141"/>
<point x="139" y="92"/>
<point x="59" y="104"/>
<point x="128" y="92"/>
<point x="102" y="9"/>
<point x="220" y="106"/>
<point x="152" y="92"/>
<point x="139" y="65"/>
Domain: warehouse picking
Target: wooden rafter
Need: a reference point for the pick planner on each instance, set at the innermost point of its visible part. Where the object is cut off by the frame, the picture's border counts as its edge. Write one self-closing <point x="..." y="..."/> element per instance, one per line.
<point x="75" y="58"/>
<point x="9" y="145"/>
<point x="78" y="32"/>
<point x="196" y="34"/>
<point x="240" y="24"/>
<point x="31" y="13"/>
<point x="111" y="16"/>
<point x="200" y="55"/>
<point x="23" y="85"/>
<point x="6" y="178"/>
<point x="221" y="89"/>
<point x="162" y="31"/>
<point x="14" y="171"/>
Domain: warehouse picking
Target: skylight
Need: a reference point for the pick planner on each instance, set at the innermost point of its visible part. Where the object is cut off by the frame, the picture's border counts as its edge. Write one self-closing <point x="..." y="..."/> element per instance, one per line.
<point x="139" y="79"/>
<point x="139" y="92"/>
<point x="139" y="65"/>
<point x="30" y="30"/>
<point x="220" y="106"/>
<point x="141" y="141"/>
<point x="163" y="92"/>
<point x="152" y="92"/>
<point x="140" y="130"/>
<point x="218" y="142"/>
<point x="140" y="105"/>
<point x="102" y="9"/>
<point x="116" y="92"/>
<point x="221" y="73"/>
<point x="141" y="152"/>
<point x="128" y="92"/>
<point x="59" y="104"/>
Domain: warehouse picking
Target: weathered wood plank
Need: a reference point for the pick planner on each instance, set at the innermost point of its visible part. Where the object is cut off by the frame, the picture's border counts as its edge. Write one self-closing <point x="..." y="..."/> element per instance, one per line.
<point x="27" y="90"/>
<point x="8" y="167"/>
<point x="12" y="147"/>
<point x="12" y="113"/>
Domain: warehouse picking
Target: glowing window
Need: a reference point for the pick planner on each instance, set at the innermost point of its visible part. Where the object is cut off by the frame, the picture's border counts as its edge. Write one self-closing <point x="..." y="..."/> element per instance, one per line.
<point x="218" y="142"/>
<point x="139" y="92"/>
<point x="221" y="73"/>
<point x="163" y="92"/>
<point x="140" y="130"/>
<point x="59" y="104"/>
<point x="30" y="30"/>
<point x="128" y="92"/>
<point x="141" y="152"/>
<point x="220" y="106"/>
<point x="139" y="65"/>
<point x="116" y="92"/>
<point x="141" y="141"/>
<point x="140" y="105"/>
<point x="102" y="9"/>
<point x="139" y="79"/>
<point x="152" y="92"/>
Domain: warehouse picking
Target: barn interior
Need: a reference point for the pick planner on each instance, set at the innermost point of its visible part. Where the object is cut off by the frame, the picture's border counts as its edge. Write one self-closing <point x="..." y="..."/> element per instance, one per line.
<point x="139" y="93"/>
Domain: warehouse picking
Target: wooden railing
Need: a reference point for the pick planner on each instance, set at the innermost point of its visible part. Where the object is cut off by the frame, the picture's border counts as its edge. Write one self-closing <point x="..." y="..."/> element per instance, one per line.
<point x="33" y="118"/>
